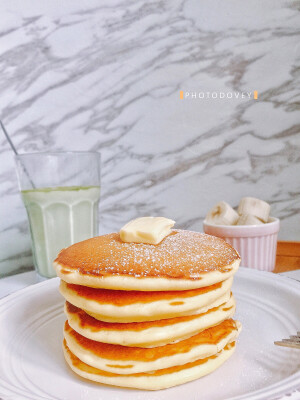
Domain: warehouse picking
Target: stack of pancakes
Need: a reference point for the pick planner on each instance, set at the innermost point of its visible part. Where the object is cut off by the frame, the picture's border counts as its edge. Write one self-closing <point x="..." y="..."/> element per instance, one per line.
<point x="148" y="316"/>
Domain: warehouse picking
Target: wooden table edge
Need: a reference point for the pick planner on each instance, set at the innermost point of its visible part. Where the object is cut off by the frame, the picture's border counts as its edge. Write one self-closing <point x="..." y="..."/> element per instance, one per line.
<point x="287" y="256"/>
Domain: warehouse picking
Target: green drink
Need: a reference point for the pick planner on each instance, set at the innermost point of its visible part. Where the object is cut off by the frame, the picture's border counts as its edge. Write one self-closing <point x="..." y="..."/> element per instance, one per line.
<point x="58" y="218"/>
<point x="61" y="193"/>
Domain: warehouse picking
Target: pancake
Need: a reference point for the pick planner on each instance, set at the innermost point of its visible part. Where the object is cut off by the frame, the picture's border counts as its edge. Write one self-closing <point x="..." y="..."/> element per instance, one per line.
<point x="136" y="306"/>
<point x="147" y="334"/>
<point x="161" y="379"/>
<point x="182" y="260"/>
<point x="130" y="360"/>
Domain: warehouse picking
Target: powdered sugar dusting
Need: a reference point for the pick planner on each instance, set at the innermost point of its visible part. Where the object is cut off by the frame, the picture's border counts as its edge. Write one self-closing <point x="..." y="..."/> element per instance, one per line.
<point x="182" y="254"/>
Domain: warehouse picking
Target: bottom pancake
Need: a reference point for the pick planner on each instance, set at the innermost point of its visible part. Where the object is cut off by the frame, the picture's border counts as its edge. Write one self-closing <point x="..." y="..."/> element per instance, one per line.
<point x="155" y="380"/>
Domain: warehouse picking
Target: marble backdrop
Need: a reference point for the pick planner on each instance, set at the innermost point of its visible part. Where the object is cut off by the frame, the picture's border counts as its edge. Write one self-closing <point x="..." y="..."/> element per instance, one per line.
<point x="107" y="76"/>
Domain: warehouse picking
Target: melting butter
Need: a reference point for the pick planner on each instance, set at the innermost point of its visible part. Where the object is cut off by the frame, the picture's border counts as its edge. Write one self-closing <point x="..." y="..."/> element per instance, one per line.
<point x="150" y="230"/>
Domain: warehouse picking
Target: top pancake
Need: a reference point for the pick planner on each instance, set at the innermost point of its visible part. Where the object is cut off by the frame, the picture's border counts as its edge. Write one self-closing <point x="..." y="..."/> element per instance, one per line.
<point x="183" y="260"/>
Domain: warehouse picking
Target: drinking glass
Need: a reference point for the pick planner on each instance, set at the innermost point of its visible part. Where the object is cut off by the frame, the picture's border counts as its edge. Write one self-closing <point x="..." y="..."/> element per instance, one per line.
<point x="61" y="193"/>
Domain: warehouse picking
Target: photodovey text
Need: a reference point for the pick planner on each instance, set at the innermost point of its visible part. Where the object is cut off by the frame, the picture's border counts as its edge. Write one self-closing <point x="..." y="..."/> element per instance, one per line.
<point x="218" y="95"/>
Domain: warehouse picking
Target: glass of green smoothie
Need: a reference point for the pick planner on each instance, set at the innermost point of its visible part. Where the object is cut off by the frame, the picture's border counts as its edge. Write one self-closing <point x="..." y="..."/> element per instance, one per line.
<point x="61" y="193"/>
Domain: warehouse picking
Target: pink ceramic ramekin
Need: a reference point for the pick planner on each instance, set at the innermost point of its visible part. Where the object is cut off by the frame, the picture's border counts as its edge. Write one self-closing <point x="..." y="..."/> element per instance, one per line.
<point x="256" y="244"/>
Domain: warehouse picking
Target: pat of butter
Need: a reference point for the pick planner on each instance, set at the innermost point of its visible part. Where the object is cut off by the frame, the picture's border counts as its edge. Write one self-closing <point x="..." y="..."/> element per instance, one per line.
<point x="150" y="230"/>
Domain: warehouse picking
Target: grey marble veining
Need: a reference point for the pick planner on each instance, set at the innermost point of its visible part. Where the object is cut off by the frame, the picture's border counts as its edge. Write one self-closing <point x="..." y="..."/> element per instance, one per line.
<point x="106" y="76"/>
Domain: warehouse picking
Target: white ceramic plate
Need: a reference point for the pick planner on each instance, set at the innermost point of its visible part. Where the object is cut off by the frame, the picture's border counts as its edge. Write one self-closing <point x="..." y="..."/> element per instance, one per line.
<point x="32" y="365"/>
